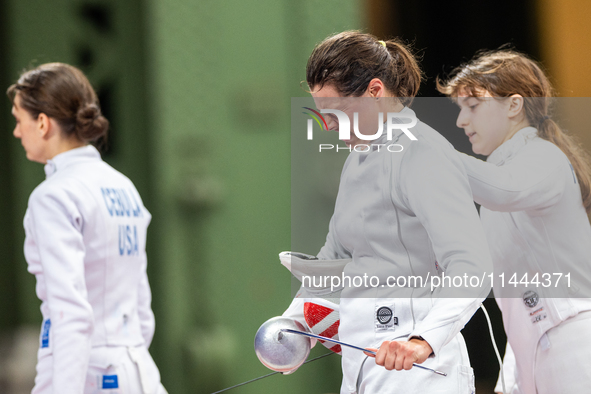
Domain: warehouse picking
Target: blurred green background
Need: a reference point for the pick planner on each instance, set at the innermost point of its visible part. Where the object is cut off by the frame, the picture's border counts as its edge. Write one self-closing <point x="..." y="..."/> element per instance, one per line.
<point x="198" y="95"/>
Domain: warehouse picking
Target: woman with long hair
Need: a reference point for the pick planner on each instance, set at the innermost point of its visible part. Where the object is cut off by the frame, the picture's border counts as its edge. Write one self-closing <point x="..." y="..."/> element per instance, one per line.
<point x="534" y="191"/>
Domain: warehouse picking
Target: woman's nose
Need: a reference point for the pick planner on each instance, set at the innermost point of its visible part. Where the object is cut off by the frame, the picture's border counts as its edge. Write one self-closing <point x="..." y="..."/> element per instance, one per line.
<point x="462" y="120"/>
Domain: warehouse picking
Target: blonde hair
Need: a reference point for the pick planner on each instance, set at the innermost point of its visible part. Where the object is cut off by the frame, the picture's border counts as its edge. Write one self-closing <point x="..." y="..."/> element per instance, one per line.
<point x="506" y="72"/>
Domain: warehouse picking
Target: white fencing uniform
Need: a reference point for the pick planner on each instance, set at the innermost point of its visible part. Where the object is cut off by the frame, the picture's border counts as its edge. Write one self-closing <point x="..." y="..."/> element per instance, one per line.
<point x="85" y="243"/>
<point x="535" y="222"/>
<point x="406" y="214"/>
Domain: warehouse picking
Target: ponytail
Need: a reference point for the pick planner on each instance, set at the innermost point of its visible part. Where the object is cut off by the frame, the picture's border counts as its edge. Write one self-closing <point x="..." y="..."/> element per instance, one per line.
<point x="578" y="157"/>
<point x="404" y="76"/>
<point x="350" y="60"/>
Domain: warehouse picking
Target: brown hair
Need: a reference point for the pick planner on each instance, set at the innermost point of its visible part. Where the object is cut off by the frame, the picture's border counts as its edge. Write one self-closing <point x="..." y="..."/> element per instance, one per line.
<point x="350" y="60"/>
<point x="63" y="93"/>
<point x="506" y="72"/>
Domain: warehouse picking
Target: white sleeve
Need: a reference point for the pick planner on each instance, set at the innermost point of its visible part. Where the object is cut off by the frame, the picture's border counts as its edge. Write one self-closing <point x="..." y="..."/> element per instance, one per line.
<point x="509" y="371"/>
<point x="529" y="181"/>
<point x="295" y="311"/>
<point x="332" y="249"/>
<point x="57" y="227"/>
<point x="147" y="321"/>
<point x="435" y="187"/>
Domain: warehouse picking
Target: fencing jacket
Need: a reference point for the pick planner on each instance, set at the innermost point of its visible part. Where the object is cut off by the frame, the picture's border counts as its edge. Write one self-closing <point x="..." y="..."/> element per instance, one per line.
<point x="85" y="243"/>
<point x="535" y="223"/>
<point x="402" y="214"/>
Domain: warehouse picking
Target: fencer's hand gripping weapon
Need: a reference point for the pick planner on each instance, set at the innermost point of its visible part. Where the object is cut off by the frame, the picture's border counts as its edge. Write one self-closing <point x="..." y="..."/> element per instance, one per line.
<point x="307" y="334"/>
<point x="271" y="325"/>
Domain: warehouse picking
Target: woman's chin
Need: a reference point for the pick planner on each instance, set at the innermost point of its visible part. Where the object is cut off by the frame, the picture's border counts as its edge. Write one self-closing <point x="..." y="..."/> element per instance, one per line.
<point x="481" y="151"/>
<point x="477" y="150"/>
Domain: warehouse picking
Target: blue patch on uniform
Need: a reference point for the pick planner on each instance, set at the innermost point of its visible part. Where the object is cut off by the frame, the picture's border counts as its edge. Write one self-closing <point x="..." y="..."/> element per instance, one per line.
<point x="45" y="333"/>
<point x="110" y="382"/>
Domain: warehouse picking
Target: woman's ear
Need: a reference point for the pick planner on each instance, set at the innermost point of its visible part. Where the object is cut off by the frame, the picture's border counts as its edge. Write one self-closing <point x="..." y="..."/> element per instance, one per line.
<point x="375" y="88"/>
<point x="515" y="105"/>
<point x="43" y="125"/>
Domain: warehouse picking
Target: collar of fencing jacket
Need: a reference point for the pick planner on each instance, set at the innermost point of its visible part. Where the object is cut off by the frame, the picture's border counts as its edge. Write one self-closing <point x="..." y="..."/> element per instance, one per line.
<point x="383" y="139"/>
<point x="85" y="153"/>
<point x="508" y="148"/>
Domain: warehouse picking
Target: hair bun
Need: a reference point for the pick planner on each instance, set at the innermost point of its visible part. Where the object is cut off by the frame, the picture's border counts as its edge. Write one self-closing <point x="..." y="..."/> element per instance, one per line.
<point x="90" y="123"/>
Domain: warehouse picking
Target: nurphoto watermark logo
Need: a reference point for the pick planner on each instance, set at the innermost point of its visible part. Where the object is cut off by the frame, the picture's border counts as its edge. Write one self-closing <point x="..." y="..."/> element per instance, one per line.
<point x="394" y="121"/>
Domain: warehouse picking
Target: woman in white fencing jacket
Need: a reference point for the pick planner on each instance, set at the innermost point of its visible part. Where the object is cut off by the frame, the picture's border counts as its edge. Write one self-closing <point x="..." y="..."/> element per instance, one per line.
<point x="85" y="243"/>
<point x="404" y="209"/>
<point x="534" y="190"/>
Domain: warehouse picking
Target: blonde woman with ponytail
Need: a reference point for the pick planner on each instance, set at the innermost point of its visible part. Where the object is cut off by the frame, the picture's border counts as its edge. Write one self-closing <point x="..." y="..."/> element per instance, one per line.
<point x="85" y="243"/>
<point x="534" y="191"/>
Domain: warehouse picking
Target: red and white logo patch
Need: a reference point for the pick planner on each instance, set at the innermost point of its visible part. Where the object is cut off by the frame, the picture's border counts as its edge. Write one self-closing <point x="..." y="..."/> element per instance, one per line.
<point x="324" y="321"/>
